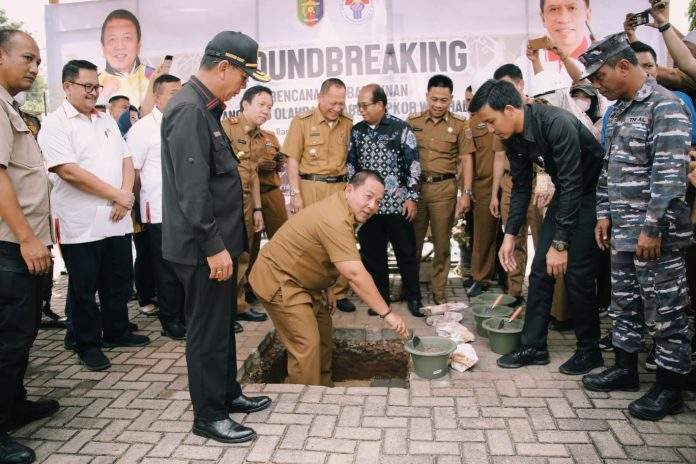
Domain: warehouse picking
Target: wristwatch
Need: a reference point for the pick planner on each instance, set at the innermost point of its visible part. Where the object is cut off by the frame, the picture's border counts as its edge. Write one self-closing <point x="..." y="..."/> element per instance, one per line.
<point x="559" y="245"/>
<point x="468" y="193"/>
<point x="257" y="210"/>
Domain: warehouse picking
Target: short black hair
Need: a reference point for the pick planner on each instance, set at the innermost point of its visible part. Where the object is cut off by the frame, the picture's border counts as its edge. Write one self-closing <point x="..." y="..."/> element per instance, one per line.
<point x="542" y="3"/>
<point x="378" y="94"/>
<point x="133" y="108"/>
<point x="508" y="70"/>
<point x="6" y="35"/>
<point x="360" y="177"/>
<point x="440" y="80"/>
<point x="469" y="88"/>
<point x="497" y="95"/>
<point x="626" y="54"/>
<point x="121" y="14"/>
<point x="331" y="82"/>
<point x="251" y="92"/>
<point x="642" y="47"/>
<point x="118" y="97"/>
<point x="163" y="79"/>
<point x="72" y="69"/>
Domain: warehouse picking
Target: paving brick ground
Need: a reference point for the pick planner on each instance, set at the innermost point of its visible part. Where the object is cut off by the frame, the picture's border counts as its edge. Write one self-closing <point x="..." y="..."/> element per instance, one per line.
<point x="139" y="411"/>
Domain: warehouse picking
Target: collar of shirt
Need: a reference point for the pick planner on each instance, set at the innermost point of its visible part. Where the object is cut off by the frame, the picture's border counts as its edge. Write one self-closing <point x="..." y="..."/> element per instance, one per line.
<point x="7" y="98"/>
<point x="443" y="118"/>
<point x="579" y="50"/>
<point x="212" y="103"/>
<point x="248" y="128"/>
<point x="348" y="211"/>
<point x="111" y="70"/>
<point x="156" y="115"/>
<point x="318" y="118"/>
<point x="646" y="89"/>
<point x="71" y="112"/>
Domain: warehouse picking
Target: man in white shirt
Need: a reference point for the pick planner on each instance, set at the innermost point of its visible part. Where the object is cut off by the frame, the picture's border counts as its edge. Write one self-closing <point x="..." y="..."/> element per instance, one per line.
<point x="90" y="204"/>
<point x="145" y="143"/>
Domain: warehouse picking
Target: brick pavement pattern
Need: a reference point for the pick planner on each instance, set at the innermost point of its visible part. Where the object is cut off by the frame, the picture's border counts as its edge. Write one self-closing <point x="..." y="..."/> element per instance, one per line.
<point x="139" y="411"/>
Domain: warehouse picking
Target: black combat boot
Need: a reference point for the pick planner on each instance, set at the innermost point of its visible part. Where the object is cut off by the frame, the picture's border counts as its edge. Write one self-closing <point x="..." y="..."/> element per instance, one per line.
<point x="623" y="375"/>
<point x="664" y="398"/>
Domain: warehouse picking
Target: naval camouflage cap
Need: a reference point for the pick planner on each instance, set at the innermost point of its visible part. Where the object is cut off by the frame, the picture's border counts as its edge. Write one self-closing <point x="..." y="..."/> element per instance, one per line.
<point x="599" y="52"/>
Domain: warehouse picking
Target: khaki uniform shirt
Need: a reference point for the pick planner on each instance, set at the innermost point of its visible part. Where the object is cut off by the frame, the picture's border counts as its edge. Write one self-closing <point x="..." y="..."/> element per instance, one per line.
<point x="318" y="147"/>
<point x="21" y="157"/>
<point x="299" y="259"/>
<point x="441" y="143"/>
<point x="486" y="144"/>
<point x="267" y="152"/>
<point x="246" y="147"/>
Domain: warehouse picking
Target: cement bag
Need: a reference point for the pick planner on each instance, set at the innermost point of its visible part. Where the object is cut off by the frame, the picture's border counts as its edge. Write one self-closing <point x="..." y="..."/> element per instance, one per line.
<point x="463" y="358"/>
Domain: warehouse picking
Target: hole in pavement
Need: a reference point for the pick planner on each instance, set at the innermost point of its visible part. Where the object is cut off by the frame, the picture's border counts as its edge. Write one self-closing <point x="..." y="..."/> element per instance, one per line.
<point x="361" y="358"/>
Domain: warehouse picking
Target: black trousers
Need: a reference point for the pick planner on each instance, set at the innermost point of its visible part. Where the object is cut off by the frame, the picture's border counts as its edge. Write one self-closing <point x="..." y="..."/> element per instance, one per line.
<point x="20" y="314"/>
<point x="374" y="236"/>
<point x="170" y="292"/>
<point x="211" y="354"/>
<point x="604" y="279"/>
<point x="102" y="267"/>
<point x="143" y="272"/>
<point x="580" y="280"/>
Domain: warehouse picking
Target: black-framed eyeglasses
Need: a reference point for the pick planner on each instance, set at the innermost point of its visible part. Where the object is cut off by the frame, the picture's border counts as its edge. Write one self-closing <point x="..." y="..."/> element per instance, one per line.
<point x="89" y="88"/>
<point x="364" y="106"/>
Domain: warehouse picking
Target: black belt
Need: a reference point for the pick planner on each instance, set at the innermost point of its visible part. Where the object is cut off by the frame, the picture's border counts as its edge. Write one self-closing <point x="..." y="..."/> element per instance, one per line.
<point x="327" y="179"/>
<point x="437" y="177"/>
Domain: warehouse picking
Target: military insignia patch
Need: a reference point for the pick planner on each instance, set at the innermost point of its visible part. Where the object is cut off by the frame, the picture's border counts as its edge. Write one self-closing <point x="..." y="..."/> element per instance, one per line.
<point x="310" y="12"/>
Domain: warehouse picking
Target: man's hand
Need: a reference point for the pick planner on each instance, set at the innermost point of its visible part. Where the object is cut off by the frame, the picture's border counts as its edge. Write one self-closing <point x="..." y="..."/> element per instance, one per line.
<point x="397" y="324"/>
<point x="660" y="12"/>
<point x="648" y="247"/>
<point x="410" y="210"/>
<point x="118" y="212"/>
<point x="556" y="262"/>
<point x="601" y="233"/>
<point x="463" y="205"/>
<point x="330" y="300"/>
<point x="296" y="204"/>
<point x="125" y="199"/>
<point x="542" y="199"/>
<point x="532" y="55"/>
<point x="494" y="207"/>
<point x="629" y="26"/>
<point x="267" y="165"/>
<point x="551" y="45"/>
<point x="258" y="221"/>
<point x="221" y="266"/>
<point x="36" y="256"/>
<point x="506" y="254"/>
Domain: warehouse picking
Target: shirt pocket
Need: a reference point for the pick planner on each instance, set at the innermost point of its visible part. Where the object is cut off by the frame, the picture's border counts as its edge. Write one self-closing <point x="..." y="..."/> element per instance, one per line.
<point x="224" y="162"/>
<point x="314" y="148"/>
<point x="634" y="143"/>
<point x="26" y="151"/>
<point x="445" y="143"/>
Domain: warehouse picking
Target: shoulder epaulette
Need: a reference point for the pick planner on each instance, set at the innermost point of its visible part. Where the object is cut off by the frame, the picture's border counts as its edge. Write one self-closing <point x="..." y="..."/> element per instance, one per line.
<point x="416" y="115"/>
<point x="306" y="114"/>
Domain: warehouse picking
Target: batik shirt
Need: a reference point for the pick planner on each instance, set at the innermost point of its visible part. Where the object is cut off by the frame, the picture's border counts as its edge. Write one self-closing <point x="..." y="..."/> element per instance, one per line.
<point x="391" y="150"/>
<point x="643" y="183"/>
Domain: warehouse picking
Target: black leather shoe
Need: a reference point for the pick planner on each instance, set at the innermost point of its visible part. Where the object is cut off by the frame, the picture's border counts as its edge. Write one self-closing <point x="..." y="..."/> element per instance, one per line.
<point x="623" y="375"/>
<point x="468" y="282"/>
<point x="94" y="360"/>
<point x="475" y="289"/>
<point x="238" y="327"/>
<point x="69" y="342"/>
<point x="524" y="356"/>
<point x="224" y="431"/>
<point x="174" y="330"/>
<point x="664" y="397"/>
<point x="345" y="305"/>
<point x="372" y="312"/>
<point x="247" y="404"/>
<point x="582" y="362"/>
<point x="414" y="307"/>
<point x="13" y="452"/>
<point x="249" y="295"/>
<point x="129" y="339"/>
<point x="252" y="315"/>
<point x="30" y="411"/>
<point x="132" y="326"/>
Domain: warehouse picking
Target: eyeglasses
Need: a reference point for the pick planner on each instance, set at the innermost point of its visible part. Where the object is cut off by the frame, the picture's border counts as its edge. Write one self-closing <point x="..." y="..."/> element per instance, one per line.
<point x="89" y="88"/>
<point x="364" y="106"/>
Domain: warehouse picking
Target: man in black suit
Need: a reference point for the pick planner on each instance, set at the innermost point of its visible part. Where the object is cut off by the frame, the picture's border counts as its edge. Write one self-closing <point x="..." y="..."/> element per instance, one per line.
<point x="203" y="230"/>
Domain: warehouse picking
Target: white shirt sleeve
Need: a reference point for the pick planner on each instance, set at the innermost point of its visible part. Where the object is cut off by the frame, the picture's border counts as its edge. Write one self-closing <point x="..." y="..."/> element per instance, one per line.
<point x="54" y="140"/>
<point x="137" y="140"/>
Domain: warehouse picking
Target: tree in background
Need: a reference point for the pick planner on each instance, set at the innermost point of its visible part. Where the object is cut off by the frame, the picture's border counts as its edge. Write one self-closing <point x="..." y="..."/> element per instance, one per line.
<point x="692" y="15"/>
<point x="34" y="103"/>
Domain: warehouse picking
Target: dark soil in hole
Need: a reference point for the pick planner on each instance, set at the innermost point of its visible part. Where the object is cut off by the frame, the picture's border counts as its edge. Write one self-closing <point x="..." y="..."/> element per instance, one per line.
<point x="381" y="363"/>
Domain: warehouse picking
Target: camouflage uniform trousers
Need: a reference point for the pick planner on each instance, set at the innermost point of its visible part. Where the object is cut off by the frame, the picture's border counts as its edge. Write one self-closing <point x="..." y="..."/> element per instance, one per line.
<point x="654" y="294"/>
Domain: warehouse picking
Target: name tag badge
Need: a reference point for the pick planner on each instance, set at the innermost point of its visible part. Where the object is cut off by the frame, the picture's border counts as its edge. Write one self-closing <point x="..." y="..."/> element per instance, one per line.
<point x="242" y="141"/>
<point x="637" y="119"/>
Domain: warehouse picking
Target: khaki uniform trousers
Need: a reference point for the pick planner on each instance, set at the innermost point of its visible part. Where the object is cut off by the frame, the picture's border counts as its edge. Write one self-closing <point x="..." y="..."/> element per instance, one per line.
<point x="312" y="192"/>
<point x="274" y="216"/>
<point x="306" y="332"/>
<point x="244" y="260"/>
<point x="483" y="247"/>
<point x="436" y="207"/>
<point x="516" y="278"/>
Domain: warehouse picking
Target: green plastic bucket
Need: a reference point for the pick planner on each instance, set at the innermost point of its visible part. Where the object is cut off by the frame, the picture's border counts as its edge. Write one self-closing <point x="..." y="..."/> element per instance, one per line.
<point x="504" y="340"/>
<point x="488" y="298"/>
<point x="483" y="312"/>
<point x="431" y="358"/>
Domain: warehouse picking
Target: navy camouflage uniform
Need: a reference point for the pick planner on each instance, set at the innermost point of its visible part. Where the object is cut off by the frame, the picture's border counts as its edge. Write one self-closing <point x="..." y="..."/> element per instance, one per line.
<point x="642" y="189"/>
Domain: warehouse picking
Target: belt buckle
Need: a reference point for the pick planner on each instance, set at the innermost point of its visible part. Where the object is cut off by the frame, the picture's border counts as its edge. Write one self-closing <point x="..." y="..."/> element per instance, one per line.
<point x="429" y="178"/>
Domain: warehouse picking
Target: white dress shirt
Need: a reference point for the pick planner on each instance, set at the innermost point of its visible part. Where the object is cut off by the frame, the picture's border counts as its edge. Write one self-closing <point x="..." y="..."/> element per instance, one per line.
<point x="145" y="143"/>
<point x="95" y="144"/>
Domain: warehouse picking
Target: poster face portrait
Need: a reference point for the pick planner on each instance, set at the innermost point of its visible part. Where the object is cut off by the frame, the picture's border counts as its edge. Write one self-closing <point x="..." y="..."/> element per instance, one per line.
<point x="565" y="22"/>
<point x="124" y="74"/>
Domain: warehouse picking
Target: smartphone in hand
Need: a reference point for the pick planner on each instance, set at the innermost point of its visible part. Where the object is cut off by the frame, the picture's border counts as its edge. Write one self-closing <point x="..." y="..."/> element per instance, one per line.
<point x="167" y="63"/>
